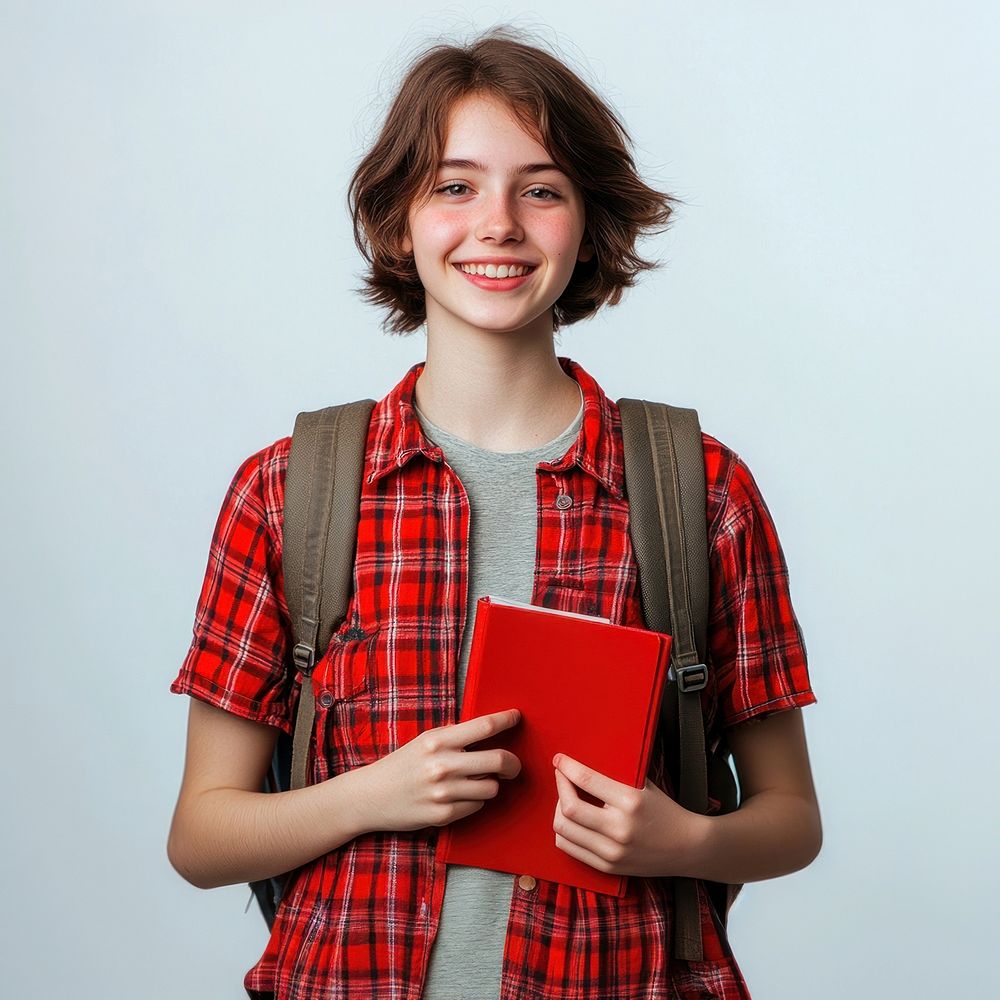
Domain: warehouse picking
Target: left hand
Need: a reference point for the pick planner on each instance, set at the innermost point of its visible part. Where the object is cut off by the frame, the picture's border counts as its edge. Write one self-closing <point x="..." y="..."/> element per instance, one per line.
<point x="638" y="831"/>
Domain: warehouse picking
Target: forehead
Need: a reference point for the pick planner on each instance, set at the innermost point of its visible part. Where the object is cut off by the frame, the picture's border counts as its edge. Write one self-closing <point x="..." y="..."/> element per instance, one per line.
<point x="480" y="122"/>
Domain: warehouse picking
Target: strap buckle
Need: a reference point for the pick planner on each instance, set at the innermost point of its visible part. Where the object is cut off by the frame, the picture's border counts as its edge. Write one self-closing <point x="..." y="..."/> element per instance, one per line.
<point x="304" y="657"/>
<point x="691" y="678"/>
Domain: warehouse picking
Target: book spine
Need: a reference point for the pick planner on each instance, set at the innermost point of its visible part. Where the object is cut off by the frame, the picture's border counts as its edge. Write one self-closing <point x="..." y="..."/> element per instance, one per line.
<point x="653" y="716"/>
<point x="472" y="672"/>
<point x="443" y="851"/>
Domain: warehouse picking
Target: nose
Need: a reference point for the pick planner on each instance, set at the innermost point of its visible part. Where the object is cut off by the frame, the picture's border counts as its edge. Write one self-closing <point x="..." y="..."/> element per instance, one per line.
<point x="499" y="220"/>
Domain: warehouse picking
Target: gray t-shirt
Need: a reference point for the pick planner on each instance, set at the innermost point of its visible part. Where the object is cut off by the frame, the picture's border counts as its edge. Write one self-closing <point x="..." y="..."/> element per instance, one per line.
<point x="467" y="953"/>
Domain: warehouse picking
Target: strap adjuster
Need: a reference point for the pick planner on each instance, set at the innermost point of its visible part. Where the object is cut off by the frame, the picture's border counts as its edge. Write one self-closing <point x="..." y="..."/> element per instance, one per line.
<point x="304" y="656"/>
<point x="691" y="678"/>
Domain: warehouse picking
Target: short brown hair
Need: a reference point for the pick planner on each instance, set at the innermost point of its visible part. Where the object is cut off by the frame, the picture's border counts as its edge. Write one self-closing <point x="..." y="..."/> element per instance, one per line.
<point x="582" y="134"/>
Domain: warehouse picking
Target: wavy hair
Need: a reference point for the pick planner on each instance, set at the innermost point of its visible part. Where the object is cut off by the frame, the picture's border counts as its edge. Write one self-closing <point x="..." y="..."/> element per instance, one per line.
<point x="582" y="134"/>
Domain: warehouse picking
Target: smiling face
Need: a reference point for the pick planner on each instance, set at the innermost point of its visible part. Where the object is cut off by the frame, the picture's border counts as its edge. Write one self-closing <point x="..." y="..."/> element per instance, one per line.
<point x="501" y="203"/>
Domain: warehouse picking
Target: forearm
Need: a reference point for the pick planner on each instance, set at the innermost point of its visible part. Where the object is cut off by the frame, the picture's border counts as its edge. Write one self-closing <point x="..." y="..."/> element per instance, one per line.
<point x="225" y="836"/>
<point x="771" y="834"/>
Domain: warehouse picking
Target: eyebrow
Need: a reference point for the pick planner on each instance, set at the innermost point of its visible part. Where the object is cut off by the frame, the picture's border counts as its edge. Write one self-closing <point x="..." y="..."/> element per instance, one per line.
<point x="524" y="168"/>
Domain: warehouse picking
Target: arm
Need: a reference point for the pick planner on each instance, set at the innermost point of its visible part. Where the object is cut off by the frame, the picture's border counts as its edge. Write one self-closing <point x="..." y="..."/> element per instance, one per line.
<point x="777" y="828"/>
<point x="225" y="830"/>
<point x="642" y="831"/>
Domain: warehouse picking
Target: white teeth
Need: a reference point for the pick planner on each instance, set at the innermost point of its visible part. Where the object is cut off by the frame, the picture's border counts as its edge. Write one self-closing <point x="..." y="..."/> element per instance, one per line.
<point x="495" y="271"/>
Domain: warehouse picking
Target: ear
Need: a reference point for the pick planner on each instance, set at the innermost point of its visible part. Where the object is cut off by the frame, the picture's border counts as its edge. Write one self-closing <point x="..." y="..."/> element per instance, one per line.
<point x="407" y="243"/>
<point x="586" y="251"/>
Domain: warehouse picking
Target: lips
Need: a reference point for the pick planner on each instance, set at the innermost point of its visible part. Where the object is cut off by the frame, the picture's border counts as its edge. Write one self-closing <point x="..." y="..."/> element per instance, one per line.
<point x="495" y="284"/>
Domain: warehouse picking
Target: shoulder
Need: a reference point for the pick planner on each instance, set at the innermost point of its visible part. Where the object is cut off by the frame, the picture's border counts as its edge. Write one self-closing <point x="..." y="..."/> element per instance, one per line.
<point x="257" y="490"/>
<point x="721" y="462"/>
<point x="272" y="464"/>
<point x="265" y="468"/>
<point x="730" y="485"/>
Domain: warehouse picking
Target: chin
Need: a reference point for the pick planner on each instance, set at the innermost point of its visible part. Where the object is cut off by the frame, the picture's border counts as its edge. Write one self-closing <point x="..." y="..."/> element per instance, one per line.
<point x="505" y="323"/>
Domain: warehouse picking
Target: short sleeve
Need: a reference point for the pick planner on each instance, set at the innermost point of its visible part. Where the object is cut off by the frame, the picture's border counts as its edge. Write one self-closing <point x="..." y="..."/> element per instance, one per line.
<point x="755" y="643"/>
<point x="236" y="660"/>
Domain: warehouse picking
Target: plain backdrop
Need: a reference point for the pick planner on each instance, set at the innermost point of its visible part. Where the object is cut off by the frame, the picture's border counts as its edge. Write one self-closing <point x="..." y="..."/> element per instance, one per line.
<point x="177" y="275"/>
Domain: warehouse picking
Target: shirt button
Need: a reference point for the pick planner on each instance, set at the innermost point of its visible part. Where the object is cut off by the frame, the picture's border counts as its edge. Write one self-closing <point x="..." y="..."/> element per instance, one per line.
<point x="326" y="699"/>
<point x="526" y="882"/>
<point x="564" y="501"/>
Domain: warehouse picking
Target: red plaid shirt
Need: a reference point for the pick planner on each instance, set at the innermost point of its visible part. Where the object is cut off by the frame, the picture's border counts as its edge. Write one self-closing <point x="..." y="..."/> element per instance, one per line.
<point x="360" y="921"/>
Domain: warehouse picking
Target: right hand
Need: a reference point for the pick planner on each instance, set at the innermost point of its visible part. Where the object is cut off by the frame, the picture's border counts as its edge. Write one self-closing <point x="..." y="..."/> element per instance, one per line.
<point x="433" y="780"/>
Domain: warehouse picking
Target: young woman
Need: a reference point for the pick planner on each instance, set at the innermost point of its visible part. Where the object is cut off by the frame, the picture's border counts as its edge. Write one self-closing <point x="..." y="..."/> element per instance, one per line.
<point x="499" y="203"/>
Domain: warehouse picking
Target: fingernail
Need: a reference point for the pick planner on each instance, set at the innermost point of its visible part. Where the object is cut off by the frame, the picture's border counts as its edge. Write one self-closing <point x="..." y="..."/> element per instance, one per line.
<point x="556" y="759"/>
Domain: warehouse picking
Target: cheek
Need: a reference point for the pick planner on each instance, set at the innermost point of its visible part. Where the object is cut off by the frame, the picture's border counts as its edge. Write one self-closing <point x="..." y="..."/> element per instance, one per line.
<point x="563" y="235"/>
<point x="436" y="235"/>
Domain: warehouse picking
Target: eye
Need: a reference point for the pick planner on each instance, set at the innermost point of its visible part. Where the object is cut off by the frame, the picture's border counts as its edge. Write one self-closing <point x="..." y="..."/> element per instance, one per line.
<point x="544" y="194"/>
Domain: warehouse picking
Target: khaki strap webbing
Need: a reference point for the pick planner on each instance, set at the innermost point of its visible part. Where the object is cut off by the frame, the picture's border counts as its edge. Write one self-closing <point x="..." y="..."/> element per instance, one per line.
<point x="322" y="497"/>
<point x="665" y="484"/>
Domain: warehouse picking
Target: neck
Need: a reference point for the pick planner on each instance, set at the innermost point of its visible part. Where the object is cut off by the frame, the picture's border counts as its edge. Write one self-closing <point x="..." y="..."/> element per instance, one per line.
<point x="502" y="393"/>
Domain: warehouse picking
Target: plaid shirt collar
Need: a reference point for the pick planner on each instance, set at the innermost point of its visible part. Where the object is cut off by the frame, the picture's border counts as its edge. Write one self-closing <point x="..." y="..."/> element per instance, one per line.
<point x="597" y="449"/>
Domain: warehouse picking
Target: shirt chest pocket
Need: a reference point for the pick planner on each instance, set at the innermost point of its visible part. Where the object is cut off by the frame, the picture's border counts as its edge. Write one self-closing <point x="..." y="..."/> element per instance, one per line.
<point x="377" y="688"/>
<point x="343" y="670"/>
<point x="341" y="677"/>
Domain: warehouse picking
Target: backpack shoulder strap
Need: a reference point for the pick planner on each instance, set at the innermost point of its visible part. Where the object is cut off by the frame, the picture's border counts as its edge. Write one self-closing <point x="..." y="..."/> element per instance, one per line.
<point x="322" y="494"/>
<point x="665" y="485"/>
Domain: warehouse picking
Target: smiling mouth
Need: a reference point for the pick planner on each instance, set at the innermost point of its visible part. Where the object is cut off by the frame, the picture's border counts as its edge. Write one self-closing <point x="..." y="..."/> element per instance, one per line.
<point x="496" y="272"/>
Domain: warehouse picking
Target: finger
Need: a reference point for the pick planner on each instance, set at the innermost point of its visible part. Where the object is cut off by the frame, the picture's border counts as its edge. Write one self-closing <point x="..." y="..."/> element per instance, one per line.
<point x="486" y="787"/>
<point x="587" y="845"/>
<point x="484" y="726"/>
<point x="578" y="812"/>
<point x="582" y="854"/>
<point x="599" y="785"/>
<point x="498" y="761"/>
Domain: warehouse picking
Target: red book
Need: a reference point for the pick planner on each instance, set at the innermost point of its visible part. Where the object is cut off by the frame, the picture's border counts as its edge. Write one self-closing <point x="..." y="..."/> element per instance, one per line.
<point x="584" y="687"/>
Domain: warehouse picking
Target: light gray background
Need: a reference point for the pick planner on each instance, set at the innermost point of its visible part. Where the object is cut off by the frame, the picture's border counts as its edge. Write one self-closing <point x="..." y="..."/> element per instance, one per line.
<point x="176" y="284"/>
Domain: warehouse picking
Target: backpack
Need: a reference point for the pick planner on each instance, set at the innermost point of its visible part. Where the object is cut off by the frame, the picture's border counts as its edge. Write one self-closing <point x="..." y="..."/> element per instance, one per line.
<point x="665" y="485"/>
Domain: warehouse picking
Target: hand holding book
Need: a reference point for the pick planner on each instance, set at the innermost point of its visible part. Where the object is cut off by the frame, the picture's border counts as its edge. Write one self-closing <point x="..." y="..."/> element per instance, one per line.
<point x="635" y="831"/>
<point x="434" y="780"/>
